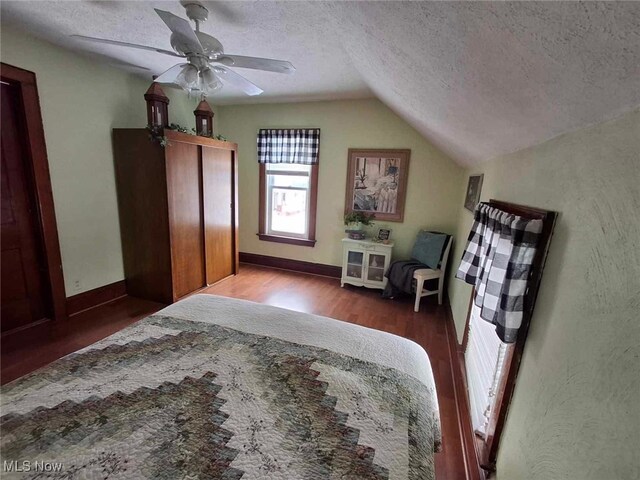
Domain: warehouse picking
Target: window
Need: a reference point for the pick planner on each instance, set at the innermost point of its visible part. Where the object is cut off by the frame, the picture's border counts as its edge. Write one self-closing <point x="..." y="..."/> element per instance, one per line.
<point x="288" y="161"/>
<point x="288" y="203"/>
<point x="491" y="365"/>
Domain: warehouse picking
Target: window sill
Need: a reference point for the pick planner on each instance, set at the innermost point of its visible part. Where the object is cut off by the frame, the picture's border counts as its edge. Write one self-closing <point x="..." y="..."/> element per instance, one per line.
<point x="290" y="240"/>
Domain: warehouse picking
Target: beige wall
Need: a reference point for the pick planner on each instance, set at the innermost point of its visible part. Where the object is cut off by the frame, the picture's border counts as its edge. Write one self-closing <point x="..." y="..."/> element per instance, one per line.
<point x="81" y="101"/>
<point x="434" y="180"/>
<point x="575" y="412"/>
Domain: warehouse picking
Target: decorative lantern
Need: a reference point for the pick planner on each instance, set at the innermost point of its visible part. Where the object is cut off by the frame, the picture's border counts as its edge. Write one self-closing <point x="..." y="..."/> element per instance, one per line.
<point x="157" y="106"/>
<point x="204" y="119"/>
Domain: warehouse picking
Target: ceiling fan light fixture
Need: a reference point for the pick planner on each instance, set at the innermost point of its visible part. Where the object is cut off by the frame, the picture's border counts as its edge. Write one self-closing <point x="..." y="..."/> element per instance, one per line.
<point x="210" y="79"/>
<point x="209" y="82"/>
<point x="188" y="77"/>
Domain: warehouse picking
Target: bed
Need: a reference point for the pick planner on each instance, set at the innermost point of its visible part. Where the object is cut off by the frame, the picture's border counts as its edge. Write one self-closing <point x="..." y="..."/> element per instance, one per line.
<point x="214" y="387"/>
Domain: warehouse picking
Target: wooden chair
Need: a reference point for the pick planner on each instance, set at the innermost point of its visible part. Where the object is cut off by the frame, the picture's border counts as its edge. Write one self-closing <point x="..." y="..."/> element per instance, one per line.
<point x="425" y="274"/>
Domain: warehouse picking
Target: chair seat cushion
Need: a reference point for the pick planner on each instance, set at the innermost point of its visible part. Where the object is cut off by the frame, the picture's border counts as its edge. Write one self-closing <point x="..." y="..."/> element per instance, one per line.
<point x="428" y="248"/>
<point x="426" y="273"/>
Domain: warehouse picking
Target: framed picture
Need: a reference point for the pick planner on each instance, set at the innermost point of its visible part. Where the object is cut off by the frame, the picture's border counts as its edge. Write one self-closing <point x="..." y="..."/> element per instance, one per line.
<point x="474" y="187"/>
<point x="384" y="234"/>
<point x="377" y="182"/>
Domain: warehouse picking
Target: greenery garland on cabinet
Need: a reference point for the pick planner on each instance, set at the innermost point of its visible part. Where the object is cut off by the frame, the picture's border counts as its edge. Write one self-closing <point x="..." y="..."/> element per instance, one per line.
<point x="156" y="133"/>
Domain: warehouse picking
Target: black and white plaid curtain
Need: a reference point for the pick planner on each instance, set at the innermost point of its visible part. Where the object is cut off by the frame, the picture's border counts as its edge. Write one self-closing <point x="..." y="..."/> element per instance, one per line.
<point x="299" y="145"/>
<point x="497" y="262"/>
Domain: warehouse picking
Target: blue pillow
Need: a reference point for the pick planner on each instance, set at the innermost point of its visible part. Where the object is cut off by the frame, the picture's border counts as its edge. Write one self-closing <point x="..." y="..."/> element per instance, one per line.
<point x="428" y="248"/>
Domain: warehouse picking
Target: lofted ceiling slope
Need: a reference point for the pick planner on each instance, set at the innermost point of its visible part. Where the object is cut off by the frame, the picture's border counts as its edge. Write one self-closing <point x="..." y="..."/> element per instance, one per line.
<point x="478" y="79"/>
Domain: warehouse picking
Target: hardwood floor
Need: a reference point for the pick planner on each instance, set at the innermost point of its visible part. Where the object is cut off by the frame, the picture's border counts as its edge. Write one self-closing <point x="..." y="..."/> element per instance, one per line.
<point x="23" y="352"/>
<point x="27" y="350"/>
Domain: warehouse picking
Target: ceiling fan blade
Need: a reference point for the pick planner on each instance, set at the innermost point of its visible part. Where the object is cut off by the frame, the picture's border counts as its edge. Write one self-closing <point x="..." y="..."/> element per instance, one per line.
<point x="117" y="63"/>
<point x="125" y="44"/>
<point x="232" y="78"/>
<point x="182" y="28"/>
<point x="268" y="64"/>
<point x="170" y="75"/>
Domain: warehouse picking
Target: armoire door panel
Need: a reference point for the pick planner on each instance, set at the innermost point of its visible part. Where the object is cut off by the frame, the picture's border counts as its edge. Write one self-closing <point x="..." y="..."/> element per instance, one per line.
<point x="141" y="180"/>
<point x="217" y="181"/>
<point x="184" y="187"/>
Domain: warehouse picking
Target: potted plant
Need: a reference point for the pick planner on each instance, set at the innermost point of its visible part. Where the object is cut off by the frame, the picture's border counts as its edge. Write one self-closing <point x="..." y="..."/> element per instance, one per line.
<point x="356" y="220"/>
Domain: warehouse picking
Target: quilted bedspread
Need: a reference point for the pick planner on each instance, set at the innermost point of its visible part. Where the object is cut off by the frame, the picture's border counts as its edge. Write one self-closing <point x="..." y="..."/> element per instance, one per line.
<point x="213" y="387"/>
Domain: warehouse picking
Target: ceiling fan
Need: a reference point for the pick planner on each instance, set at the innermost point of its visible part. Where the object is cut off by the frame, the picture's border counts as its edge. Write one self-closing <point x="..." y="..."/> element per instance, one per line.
<point x="207" y="65"/>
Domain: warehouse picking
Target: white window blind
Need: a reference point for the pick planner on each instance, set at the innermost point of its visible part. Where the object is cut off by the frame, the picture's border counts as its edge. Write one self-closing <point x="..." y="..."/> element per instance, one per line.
<point x="288" y="199"/>
<point x="484" y="360"/>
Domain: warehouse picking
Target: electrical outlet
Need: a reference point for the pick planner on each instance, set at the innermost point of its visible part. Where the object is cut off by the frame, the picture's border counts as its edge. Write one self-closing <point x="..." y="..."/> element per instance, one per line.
<point x="76" y="284"/>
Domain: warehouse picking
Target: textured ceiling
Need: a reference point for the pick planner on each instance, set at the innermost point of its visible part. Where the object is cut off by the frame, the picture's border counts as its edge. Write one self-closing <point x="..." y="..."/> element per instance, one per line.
<point x="477" y="79"/>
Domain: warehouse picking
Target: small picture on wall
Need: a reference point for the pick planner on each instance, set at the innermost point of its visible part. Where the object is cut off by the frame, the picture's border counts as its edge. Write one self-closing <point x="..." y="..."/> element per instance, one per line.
<point x="377" y="183"/>
<point x="384" y="235"/>
<point x="473" y="192"/>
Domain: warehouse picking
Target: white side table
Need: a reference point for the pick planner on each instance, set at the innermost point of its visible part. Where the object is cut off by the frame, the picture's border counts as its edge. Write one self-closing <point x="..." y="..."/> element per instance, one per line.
<point x="364" y="263"/>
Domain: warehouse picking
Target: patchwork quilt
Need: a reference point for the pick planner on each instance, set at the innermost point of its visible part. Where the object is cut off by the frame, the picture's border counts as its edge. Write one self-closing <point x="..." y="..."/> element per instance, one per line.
<point x="220" y="388"/>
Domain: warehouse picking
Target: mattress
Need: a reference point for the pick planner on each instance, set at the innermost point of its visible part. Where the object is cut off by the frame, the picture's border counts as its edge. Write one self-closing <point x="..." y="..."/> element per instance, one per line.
<point x="214" y="387"/>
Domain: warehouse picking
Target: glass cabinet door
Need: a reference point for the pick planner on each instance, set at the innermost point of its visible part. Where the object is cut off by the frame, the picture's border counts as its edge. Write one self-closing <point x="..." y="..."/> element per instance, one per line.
<point x="355" y="263"/>
<point x="375" y="268"/>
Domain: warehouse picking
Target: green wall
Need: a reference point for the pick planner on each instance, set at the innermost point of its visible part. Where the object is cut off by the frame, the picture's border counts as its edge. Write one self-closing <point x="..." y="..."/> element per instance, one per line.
<point x="575" y="411"/>
<point x="433" y="186"/>
<point x="81" y="101"/>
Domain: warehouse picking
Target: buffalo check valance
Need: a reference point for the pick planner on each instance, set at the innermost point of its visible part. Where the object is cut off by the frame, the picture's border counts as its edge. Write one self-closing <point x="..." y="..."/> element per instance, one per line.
<point x="497" y="261"/>
<point x="294" y="145"/>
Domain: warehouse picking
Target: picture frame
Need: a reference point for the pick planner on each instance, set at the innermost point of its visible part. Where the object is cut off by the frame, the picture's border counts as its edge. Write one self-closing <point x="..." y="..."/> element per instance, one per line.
<point x="474" y="188"/>
<point x="384" y="234"/>
<point x="377" y="182"/>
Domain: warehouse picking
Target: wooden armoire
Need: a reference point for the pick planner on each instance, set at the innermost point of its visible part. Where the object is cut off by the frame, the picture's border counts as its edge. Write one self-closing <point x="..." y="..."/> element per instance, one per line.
<point x="178" y="212"/>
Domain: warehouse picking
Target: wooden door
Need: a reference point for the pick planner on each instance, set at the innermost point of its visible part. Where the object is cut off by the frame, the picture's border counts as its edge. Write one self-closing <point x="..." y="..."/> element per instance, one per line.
<point x="184" y="189"/>
<point x="218" y="205"/>
<point x="24" y="290"/>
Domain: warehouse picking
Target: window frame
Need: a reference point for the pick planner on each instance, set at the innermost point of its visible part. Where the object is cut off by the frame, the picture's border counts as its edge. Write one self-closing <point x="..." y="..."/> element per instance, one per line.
<point x="263" y="231"/>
